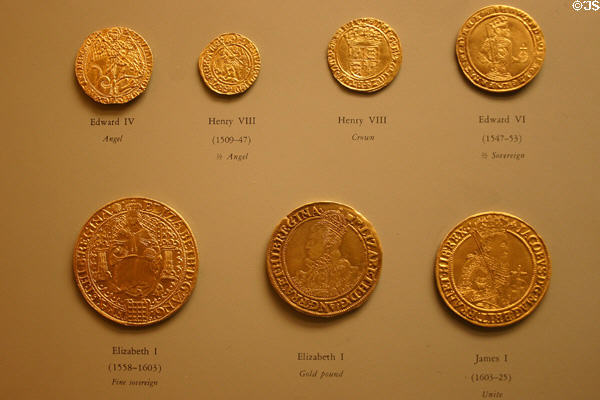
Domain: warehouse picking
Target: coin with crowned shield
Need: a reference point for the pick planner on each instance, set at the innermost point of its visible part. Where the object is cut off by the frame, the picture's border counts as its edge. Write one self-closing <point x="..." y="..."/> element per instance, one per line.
<point x="364" y="55"/>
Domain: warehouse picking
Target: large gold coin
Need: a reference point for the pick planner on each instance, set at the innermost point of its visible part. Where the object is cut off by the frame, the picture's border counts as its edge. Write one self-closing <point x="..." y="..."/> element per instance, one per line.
<point x="113" y="65"/>
<point x="500" y="48"/>
<point x="135" y="261"/>
<point x="229" y="64"/>
<point x="492" y="269"/>
<point x="324" y="259"/>
<point x="364" y="55"/>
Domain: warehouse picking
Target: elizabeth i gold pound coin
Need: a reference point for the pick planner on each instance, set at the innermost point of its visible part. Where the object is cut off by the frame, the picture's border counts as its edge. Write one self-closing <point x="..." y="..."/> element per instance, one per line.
<point x="113" y="65"/>
<point x="324" y="259"/>
<point x="364" y="55"/>
<point x="135" y="261"/>
<point x="500" y="48"/>
<point x="229" y="64"/>
<point x="493" y="269"/>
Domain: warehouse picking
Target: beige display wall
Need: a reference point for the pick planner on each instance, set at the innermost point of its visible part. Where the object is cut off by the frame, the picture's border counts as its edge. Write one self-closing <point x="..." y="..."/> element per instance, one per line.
<point x="426" y="169"/>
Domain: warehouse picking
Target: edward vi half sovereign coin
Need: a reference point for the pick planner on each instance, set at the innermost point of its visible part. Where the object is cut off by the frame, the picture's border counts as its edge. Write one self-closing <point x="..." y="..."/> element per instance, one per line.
<point x="364" y="55"/>
<point x="500" y="48"/>
<point x="493" y="269"/>
<point x="135" y="261"/>
<point x="229" y="64"/>
<point x="113" y="65"/>
<point x="324" y="259"/>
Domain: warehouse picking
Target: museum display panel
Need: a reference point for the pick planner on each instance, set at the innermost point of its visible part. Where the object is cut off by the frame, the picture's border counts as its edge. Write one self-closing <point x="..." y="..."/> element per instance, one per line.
<point x="415" y="158"/>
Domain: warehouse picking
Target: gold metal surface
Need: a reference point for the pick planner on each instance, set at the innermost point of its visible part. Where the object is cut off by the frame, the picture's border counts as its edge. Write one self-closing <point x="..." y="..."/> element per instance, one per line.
<point x="229" y="64"/>
<point x="135" y="261"/>
<point x="364" y="55"/>
<point x="324" y="259"/>
<point x="500" y="48"/>
<point x="493" y="269"/>
<point x="113" y="65"/>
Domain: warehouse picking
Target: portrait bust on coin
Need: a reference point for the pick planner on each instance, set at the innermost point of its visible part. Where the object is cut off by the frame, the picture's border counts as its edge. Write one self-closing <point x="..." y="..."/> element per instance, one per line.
<point x="324" y="259"/>
<point x="500" y="48"/>
<point x="492" y="269"/>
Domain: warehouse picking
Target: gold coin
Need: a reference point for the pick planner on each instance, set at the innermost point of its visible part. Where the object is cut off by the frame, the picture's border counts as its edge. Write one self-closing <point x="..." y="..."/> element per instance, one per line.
<point x="113" y="65"/>
<point x="135" y="261"/>
<point x="229" y="64"/>
<point x="493" y="269"/>
<point x="324" y="259"/>
<point x="364" y="55"/>
<point x="500" y="48"/>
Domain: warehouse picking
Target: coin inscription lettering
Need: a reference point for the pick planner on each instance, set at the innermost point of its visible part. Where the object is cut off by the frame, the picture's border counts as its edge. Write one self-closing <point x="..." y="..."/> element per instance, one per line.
<point x="135" y="261"/>
<point x="364" y="55"/>
<point x="500" y="48"/>
<point x="113" y="66"/>
<point x="492" y="269"/>
<point x="229" y="64"/>
<point x="324" y="259"/>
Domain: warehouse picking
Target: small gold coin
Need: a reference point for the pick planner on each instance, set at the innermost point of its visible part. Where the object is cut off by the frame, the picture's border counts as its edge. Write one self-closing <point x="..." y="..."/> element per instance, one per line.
<point x="364" y="55"/>
<point x="113" y="65"/>
<point x="135" y="261"/>
<point x="324" y="259"/>
<point x="493" y="269"/>
<point x="500" y="48"/>
<point x="229" y="64"/>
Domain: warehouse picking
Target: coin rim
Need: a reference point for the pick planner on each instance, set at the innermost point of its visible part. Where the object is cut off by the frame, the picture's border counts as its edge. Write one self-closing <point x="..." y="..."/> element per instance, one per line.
<point x="332" y="59"/>
<point x="339" y="312"/>
<point x="245" y="84"/>
<point x="502" y="324"/>
<point x="86" y="85"/>
<point x="459" y="47"/>
<point x="102" y="312"/>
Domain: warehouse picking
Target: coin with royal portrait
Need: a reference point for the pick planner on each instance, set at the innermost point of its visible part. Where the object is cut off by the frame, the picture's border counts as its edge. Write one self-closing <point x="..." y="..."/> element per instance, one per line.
<point x="500" y="48"/>
<point x="230" y="64"/>
<point x="324" y="259"/>
<point x="364" y="55"/>
<point x="492" y="269"/>
<point x="135" y="261"/>
<point x="113" y="65"/>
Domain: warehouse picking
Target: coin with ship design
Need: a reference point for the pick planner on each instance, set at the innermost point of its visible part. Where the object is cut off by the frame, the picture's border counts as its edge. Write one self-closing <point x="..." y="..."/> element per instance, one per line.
<point x="500" y="48"/>
<point x="135" y="261"/>
<point x="364" y="55"/>
<point x="324" y="259"/>
<point x="113" y="65"/>
<point x="229" y="64"/>
<point x="492" y="269"/>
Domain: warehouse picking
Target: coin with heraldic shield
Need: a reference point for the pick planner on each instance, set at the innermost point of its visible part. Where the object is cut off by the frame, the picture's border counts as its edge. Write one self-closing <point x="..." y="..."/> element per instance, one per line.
<point x="229" y="64"/>
<point x="113" y="65"/>
<point x="364" y="55"/>
<point x="493" y="269"/>
<point x="324" y="259"/>
<point x="500" y="48"/>
<point x="135" y="261"/>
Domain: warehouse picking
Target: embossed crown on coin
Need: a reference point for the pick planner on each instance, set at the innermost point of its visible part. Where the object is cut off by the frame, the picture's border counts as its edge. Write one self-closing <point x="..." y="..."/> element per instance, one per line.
<point x="363" y="35"/>
<point x="335" y="221"/>
<point x="499" y="21"/>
